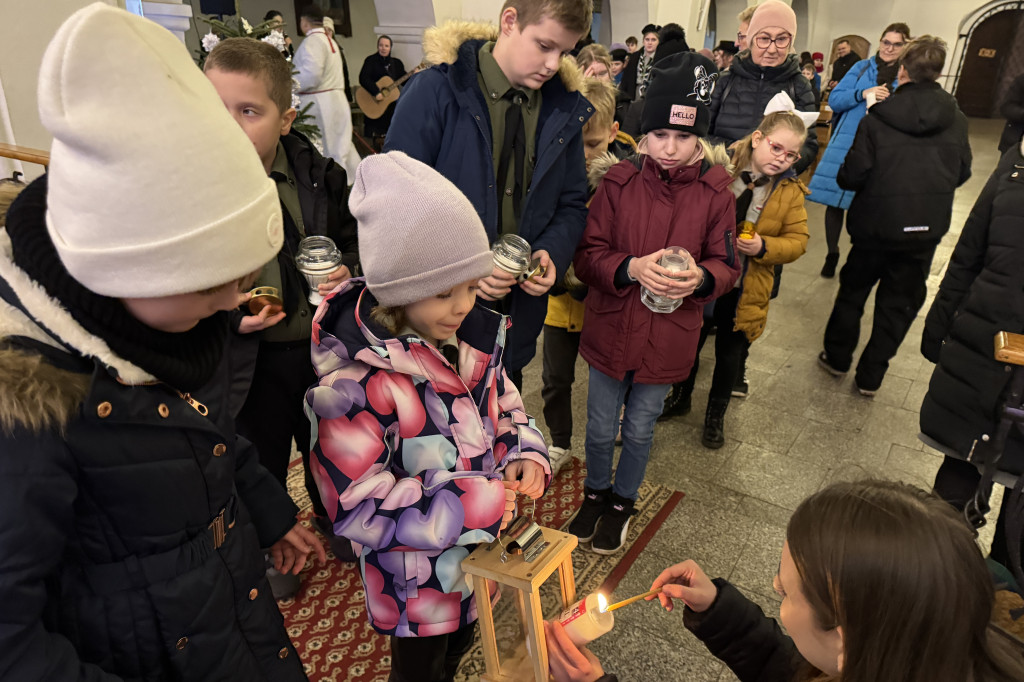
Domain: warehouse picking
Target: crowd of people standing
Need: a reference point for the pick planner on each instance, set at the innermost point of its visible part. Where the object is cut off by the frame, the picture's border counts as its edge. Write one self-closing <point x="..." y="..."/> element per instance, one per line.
<point x="146" y="352"/>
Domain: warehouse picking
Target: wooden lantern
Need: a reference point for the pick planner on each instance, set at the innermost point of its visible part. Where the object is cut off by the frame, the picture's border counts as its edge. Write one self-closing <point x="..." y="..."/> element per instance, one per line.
<point x="525" y="577"/>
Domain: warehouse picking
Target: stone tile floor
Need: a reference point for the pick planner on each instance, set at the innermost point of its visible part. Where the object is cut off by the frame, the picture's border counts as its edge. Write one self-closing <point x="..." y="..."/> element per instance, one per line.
<point x="799" y="429"/>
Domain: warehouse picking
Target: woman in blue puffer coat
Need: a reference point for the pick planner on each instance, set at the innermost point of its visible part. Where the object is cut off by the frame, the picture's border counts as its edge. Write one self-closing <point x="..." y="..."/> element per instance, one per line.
<point x="875" y="77"/>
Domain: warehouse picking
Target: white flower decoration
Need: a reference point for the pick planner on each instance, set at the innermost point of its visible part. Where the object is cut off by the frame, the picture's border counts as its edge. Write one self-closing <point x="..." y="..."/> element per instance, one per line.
<point x="246" y="25"/>
<point x="210" y="41"/>
<point x="296" y="101"/>
<point x="276" y="39"/>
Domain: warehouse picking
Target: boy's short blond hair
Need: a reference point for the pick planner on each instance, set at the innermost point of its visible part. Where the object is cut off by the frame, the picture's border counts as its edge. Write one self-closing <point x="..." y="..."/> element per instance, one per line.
<point x="573" y="15"/>
<point x="257" y="59"/>
<point x="601" y="94"/>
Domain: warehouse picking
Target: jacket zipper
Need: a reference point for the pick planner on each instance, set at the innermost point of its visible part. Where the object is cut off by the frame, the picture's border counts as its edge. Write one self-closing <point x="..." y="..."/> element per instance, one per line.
<point x="196" y="405"/>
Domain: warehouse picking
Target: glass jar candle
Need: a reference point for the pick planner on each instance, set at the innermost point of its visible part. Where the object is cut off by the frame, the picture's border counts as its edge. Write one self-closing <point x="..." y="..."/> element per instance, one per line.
<point x="512" y="254"/>
<point x="676" y="259"/>
<point x="746" y="230"/>
<point x="317" y="258"/>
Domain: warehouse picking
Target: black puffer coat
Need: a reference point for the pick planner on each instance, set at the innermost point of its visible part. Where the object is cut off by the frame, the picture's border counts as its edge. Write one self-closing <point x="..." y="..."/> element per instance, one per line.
<point x="742" y="93"/>
<point x="979" y="297"/>
<point x="910" y="154"/>
<point x="108" y="566"/>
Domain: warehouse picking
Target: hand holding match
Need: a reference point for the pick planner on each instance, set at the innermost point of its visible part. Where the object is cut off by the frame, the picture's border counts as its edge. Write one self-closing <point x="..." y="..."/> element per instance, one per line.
<point x="627" y="602"/>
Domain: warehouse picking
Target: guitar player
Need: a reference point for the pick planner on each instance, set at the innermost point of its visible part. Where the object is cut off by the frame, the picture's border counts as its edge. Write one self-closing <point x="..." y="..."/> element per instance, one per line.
<point x="377" y="66"/>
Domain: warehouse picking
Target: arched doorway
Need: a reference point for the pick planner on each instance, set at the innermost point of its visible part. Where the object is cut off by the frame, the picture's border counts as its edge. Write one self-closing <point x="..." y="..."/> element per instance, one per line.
<point x="988" y="56"/>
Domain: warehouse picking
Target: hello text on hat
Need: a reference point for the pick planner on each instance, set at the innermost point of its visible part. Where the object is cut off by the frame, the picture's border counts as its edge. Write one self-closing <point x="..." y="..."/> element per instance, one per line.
<point x="679" y="95"/>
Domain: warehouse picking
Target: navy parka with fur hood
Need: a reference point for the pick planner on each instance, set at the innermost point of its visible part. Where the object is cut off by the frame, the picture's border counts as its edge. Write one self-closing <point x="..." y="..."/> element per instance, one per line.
<point x="442" y="120"/>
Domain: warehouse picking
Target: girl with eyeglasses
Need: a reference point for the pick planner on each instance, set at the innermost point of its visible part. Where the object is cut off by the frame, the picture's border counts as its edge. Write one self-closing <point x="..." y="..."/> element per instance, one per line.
<point x="772" y="230"/>
<point x="870" y="79"/>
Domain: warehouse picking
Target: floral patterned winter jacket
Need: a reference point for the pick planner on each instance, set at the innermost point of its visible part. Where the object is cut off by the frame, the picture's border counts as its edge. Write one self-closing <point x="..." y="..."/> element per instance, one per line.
<point x="408" y="455"/>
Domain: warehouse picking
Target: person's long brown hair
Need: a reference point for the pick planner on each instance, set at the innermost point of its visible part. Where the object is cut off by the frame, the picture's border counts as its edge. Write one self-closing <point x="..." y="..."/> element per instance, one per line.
<point x="743" y="148"/>
<point x="900" y="572"/>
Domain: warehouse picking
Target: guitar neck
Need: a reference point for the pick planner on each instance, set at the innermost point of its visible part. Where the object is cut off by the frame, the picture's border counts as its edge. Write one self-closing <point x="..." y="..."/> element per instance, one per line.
<point x="401" y="80"/>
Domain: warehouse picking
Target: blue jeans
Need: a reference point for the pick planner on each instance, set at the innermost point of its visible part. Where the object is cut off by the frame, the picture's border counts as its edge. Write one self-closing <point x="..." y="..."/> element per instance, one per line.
<point x="604" y="402"/>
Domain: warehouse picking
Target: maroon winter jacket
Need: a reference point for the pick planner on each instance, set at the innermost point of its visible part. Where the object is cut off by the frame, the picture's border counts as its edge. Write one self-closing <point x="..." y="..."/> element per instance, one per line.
<point x="635" y="213"/>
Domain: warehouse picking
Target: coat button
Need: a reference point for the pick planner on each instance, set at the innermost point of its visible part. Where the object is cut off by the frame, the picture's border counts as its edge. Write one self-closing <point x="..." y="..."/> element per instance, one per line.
<point x="104" y="409"/>
<point x="477" y="117"/>
<point x="581" y="119"/>
<point x="561" y="140"/>
<point x="253" y="593"/>
<point x="219" y="449"/>
<point x="163" y="410"/>
<point x="283" y="653"/>
<point x="180" y="644"/>
<point x="508" y="191"/>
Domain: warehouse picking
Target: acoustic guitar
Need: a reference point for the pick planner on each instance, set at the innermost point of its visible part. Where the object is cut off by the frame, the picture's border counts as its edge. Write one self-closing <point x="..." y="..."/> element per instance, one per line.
<point x="374" y="108"/>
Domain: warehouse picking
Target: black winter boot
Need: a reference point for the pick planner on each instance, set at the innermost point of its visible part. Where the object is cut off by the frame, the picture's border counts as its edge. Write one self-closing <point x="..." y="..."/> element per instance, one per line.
<point x="714" y="423"/>
<point x="677" y="403"/>
<point x="595" y="504"/>
<point x="828" y="270"/>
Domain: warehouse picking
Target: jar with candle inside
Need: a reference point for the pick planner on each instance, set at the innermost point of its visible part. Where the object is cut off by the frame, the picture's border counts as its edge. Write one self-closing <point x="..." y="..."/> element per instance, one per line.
<point x="513" y="254"/>
<point x="676" y="259"/>
<point x="316" y="259"/>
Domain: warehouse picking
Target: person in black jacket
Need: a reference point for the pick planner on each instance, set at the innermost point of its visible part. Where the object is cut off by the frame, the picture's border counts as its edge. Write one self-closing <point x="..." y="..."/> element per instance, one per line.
<point x="757" y="75"/>
<point x="979" y="297"/>
<point x="909" y="155"/>
<point x="1013" y="111"/>
<point x="638" y="69"/>
<point x="845" y="60"/>
<point x="375" y="67"/>
<point x="313" y="193"/>
<point x="132" y="516"/>
<point x="878" y="580"/>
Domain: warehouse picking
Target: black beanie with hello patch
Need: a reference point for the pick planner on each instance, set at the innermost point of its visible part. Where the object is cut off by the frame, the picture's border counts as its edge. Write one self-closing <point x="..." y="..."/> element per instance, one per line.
<point x="679" y="94"/>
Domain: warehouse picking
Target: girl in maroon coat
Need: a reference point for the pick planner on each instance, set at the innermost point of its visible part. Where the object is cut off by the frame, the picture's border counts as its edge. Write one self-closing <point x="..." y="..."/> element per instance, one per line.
<point x="671" y="195"/>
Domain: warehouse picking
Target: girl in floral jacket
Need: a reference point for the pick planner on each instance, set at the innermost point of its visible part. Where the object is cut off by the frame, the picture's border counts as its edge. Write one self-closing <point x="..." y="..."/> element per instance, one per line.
<point x="421" y="441"/>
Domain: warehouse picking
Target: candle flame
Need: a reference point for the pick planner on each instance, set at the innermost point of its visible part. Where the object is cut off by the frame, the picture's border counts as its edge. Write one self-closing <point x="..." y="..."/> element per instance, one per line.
<point x="602" y="603"/>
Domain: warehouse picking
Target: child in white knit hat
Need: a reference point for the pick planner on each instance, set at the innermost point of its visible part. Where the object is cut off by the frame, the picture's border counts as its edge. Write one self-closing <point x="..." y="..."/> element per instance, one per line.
<point x="421" y="439"/>
<point x="131" y="517"/>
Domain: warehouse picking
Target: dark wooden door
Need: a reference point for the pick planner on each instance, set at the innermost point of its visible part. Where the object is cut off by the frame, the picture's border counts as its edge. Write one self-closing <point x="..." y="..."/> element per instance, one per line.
<point x="987" y="48"/>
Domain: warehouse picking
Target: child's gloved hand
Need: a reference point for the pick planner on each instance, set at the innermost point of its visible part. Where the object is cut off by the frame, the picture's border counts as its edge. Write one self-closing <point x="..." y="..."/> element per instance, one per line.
<point x="687" y="582"/>
<point x="510" y="503"/>
<point x="290" y="552"/>
<point x="530" y="476"/>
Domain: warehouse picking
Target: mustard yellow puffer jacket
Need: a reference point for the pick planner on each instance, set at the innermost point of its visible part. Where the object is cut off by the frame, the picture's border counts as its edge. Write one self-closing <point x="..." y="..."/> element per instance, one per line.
<point x="564" y="311"/>
<point x="783" y="227"/>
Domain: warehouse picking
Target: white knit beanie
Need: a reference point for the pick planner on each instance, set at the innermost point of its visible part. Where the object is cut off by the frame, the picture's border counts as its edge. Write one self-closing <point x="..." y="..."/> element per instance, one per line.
<point x="419" y="235"/>
<point x="153" y="188"/>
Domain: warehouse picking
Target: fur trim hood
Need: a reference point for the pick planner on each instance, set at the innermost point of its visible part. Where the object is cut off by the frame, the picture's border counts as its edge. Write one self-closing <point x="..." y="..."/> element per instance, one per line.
<point x="441" y="46"/>
<point x="33" y="393"/>
<point x="716" y="155"/>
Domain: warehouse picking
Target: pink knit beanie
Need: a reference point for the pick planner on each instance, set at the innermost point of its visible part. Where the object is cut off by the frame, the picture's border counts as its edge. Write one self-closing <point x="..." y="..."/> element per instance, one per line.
<point x="772" y="14"/>
<point x="419" y="236"/>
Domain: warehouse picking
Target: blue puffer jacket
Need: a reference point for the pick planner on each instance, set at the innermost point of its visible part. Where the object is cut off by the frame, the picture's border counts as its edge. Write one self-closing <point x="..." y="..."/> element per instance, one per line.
<point x="848" y="107"/>
<point x="442" y="120"/>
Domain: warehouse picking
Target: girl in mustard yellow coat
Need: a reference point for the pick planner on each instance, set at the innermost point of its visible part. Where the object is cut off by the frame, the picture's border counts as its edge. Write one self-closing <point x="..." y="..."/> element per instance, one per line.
<point x="772" y="230"/>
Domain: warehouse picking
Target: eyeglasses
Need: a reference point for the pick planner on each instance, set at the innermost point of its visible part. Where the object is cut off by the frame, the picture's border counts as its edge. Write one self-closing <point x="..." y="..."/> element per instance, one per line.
<point x="741" y="36"/>
<point x="778" y="151"/>
<point x="891" y="46"/>
<point x="763" y="40"/>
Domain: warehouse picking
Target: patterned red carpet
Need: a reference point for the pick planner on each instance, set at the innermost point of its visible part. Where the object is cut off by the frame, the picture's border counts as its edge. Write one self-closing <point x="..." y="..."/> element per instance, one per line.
<point x="326" y="619"/>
